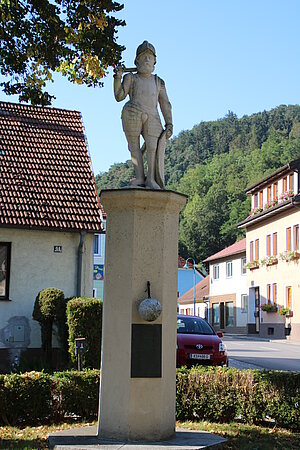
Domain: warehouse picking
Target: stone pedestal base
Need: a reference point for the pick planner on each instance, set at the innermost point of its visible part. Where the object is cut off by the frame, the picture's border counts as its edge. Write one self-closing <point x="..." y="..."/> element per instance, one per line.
<point x="138" y="374"/>
<point x="85" y="439"/>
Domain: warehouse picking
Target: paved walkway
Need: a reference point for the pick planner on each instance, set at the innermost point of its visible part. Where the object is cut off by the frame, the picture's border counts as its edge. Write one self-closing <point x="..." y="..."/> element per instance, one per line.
<point x="85" y="439"/>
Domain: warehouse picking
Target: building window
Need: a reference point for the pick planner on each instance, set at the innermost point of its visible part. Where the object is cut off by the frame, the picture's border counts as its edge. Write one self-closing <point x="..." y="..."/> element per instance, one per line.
<point x="269" y="193"/>
<point x="274" y="288"/>
<point x="275" y="244"/>
<point x="216" y="314"/>
<point x="261" y="199"/>
<point x="268" y="294"/>
<point x="255" y="200"/>
<point x="229" y="314"/>
<point x="216" y="271"/>
<point x="291" y="182"/>
<point x="296" y="237"/>
<point x="244" y="303"/>
<point x="275" y="191"/>
<point x="284" y="184"/>
<point x="288" y="239"/>
<point x="5" y="249"/>
<point x="243" y="264"/>
<point x="257" y="249"/>
<point x="251" y="251"/>
<point x="288" y="297"/>
<point x="229" y="269"/>
<point x="268" y="245"/>
<point x="97" y="244"/>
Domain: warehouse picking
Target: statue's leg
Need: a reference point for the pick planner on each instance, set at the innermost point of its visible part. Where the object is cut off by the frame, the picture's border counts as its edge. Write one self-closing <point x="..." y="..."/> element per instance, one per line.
<point x="151" y="146"/>
<point x="137" y="160"/>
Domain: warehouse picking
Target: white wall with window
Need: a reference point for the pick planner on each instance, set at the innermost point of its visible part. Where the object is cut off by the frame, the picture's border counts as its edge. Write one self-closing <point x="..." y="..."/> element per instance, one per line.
<point x="228" y="276"/>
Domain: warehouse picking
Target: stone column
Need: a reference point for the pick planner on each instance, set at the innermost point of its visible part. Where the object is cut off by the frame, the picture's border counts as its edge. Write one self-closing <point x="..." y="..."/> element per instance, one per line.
<point x="138" y="374"/>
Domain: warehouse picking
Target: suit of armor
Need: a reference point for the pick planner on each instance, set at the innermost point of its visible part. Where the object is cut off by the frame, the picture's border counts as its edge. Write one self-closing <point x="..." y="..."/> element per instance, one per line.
<point x="140" y="116"/>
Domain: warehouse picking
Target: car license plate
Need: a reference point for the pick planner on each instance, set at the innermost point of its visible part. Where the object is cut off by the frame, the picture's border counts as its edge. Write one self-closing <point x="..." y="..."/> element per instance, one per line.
<point x="198" y="356"/>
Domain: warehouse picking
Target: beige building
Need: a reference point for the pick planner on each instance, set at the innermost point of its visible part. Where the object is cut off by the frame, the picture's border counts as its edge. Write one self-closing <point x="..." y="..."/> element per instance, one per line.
<point x="272" y="244"/>
<point x="49" y="212"/>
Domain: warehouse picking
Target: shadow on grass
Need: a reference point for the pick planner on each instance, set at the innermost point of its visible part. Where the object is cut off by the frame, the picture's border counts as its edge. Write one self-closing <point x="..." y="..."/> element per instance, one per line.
<point x="250" y="437"/>
<point x="15" y="444"/>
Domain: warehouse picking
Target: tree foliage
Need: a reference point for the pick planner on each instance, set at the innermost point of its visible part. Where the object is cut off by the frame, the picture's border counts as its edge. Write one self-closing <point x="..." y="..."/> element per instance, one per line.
<point x="74" y="37"/>
<point x="213" y="164"/>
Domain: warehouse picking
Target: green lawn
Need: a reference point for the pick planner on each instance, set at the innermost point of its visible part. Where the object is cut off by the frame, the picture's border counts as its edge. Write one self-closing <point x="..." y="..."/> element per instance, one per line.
<point x="240" y="436"/>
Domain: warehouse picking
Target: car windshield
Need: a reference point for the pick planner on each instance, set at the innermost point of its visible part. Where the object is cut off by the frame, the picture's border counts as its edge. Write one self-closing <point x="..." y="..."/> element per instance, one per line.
<point x="193" y="325"/>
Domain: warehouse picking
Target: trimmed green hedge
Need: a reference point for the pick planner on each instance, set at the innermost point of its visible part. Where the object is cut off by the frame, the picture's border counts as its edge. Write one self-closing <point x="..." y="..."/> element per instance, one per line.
<point x="84" y="318"/>
<point x="213" y="394"/>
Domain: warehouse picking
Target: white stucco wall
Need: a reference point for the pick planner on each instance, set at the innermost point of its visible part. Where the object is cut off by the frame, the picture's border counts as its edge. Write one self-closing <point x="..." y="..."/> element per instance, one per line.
<point x="35" y="266"/>
<point x="237" y="284"/>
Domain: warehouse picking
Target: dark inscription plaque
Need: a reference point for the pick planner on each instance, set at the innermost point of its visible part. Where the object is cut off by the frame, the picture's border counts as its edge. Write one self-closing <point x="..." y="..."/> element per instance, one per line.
<point x="146" y="351"/>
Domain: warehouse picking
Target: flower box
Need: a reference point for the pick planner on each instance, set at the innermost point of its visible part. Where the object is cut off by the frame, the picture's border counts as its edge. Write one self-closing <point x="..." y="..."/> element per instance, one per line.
<point x="255" y="266"/>
<point x="269" y="308"/>
<point x="285" y="312"/>
<point x="289" y="256"/>
<point x="252" y="265"/>
<point x="271" y="262"/>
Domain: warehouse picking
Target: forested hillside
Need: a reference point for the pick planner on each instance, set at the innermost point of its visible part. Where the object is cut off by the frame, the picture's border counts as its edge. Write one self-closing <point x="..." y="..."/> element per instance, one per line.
<point x="213" y="163"/>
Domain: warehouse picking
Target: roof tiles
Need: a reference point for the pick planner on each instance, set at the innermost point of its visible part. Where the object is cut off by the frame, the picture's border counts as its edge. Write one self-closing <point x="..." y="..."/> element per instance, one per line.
<point x="237" y="247"/>
<point x="46" y="178"/>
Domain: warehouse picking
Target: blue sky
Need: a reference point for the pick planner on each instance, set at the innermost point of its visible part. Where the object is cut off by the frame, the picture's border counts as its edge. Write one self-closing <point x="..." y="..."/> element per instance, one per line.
<point x="214" y="55"/>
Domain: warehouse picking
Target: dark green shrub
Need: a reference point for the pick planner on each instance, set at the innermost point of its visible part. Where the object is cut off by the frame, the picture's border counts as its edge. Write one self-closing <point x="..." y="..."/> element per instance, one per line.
<point x="76" y="393"/>
<point x="214" y="394"/>
<point x="281" y="393"/>
<point x="44" y="312"/>
<point x="84" y="317"/>
<point x="221" y="394"/>
<point x="62" y="328"/>
<point x="25" y="398"/>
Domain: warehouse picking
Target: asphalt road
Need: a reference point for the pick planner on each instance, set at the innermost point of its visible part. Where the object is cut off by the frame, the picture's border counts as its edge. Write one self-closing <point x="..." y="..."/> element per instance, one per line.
<point x="246" y="352"/>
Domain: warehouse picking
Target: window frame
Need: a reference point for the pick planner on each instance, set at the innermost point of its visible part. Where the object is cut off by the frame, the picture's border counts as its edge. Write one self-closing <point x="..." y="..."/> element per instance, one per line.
<point x="243" y="303"/>
<point x="275" y="297"/>
<point x="291" y="182"/>
<point x="275" y="243"/>
<point x="288" y="238"/>
<point x="268" y="245"/>
<point x="216" y="267"/>
<point x="256" y="249"/>
<point x="243" y="263"/>
<point x="99" y="246"/>
<point x="8" y="268"/>
<point x="275" y="191"/>
<point x="287" y="288"/>
<point x="296" y="237"/>
<point x="229" y="264"/>
<point x="269" y="294"/>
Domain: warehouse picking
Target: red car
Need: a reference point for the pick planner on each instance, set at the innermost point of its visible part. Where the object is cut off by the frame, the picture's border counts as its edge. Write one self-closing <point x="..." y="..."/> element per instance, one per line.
<point x="198" y="343"/>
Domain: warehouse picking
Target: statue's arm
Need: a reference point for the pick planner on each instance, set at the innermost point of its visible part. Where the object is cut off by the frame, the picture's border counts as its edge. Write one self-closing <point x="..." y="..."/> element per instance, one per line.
<point x="166" y="107"/>
<point x="121" y="88"/>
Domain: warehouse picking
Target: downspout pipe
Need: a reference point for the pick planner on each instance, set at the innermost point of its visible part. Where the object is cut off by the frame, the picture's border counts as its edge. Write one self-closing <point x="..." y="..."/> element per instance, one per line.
<point x="79" y="265"/>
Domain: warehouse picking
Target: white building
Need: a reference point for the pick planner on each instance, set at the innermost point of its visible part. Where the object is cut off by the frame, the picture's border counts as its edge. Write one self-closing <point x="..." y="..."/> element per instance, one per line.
<point x="228" y="289"/>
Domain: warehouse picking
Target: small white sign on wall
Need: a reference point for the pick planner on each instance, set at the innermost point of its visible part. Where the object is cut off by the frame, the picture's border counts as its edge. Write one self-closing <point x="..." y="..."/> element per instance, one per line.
<point x="57" y="249"/>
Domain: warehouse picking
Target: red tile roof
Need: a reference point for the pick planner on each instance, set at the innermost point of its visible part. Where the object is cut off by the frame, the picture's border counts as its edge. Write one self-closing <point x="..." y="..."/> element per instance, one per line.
<point x="238" y="247"/>
<point x="202" y="292"/>
<point x="46" y="178"/>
